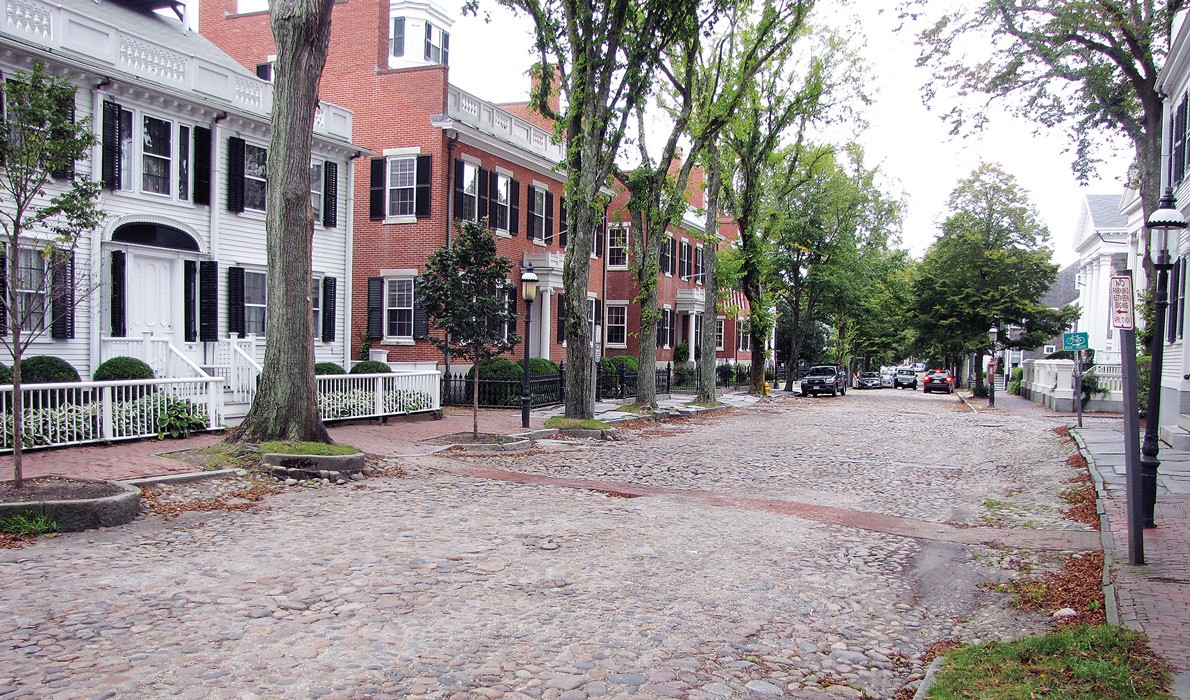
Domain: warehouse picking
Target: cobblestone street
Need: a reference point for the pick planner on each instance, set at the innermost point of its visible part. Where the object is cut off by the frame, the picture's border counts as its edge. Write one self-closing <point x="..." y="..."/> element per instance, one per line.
<point x="806" y="548"/>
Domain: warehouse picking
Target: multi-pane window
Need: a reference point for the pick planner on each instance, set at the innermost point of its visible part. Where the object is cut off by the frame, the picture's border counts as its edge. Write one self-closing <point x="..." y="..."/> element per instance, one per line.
<point x="398" y="308"/>
<point x="255" y="302"/>
<point x="402" y="186"/>
<point x="698" y="264"/>
<point x="316" y="307"/>
<point x="591" y="318"/>
<point x="396" y="40"/>
<point x="437" y="44"/>
<point x="697" y="332"/>
<point x="617" y="325"/>
<point x="157" y="151"/>
<point x="537" y="214"/>
<point x="500" y="204"/>
<point x="720" y="325"/>
<point x="316" y="185"/>
<point x="31" y="289"/>
<point x="743" y="336"/>
<point x="665" y="328"/>
<point x="469" y="206"/>
<point x="127" y="159"/>
<point x="255" y="177"/>
<point x="617" y="247"/>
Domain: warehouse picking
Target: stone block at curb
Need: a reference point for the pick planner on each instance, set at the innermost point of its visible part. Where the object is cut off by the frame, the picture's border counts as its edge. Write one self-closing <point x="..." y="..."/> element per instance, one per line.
<point x="313" y="466"/>
<point x="542" y="434"/>
<point x="928" y="682"/>
<point x="583" y="433"/>
<point x="514" y="446"/>
<point x="184" y="478"/>
<point x="84" y="513"/>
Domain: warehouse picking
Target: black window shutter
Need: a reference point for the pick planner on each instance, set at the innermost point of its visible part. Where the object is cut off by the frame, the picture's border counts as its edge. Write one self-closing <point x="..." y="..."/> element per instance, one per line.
<point x="396" y="43"/>
<point x="563" y="224"/>
<point x="514" y="207"/>
<point x="235" y="300"/>
<point x="208" y="299"/>
<point x="483" y="187"/>
<point x="111" y="146"/>
<point x="329" y="292"/>
<point x="66" y="170"/>
<point x="119" y="296"/>
<point x="600" y="230"/>
<point x="598" y="312"/>
<point x="421" y="198"/>
<point x="494" y="198"/>
<point x="375" y="308"/>
<point x="376" y="190"/>
<point x="561" y="321"/>
<point x="190" y="299"/>
<point x="421" y="320"/>
<point x="549" y="217"/>
<point x="330" y="194"/>
<point x="62" y="303"/>
<point x="429" y="32"/>
<point x="445" y="48"/>
<point x="458" y="204"/>
<point x="4" y="289"/>
<point x="202" y="165"/>
<point x="235" y="174"/>
<point x="532" y="202"/>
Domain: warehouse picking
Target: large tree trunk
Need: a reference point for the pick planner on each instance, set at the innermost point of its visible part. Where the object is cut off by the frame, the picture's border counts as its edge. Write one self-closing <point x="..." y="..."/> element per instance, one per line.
<point x="286" y="403"/>
<point x="576" y="277"/>
<point x="706" y="353"/>
<point x="648" y="254"/>
<point x="475" y="403"/>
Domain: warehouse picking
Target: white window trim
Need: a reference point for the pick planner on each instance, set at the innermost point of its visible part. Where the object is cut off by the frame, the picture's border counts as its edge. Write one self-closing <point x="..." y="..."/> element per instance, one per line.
<point x="698" y="271"/>
<point x="318" y="213"/>
<point x="493" y="204"/>
<point x="388" y="188"/>
<point x="265" y="331"/>
<point x="248" y="209"/>
<point x="44" y="292"/>
<point x="398" y="339"/>
<point x="672" y="319"/>
<point x="624" y="228"/>
<point x="607" y="325"/>
<point x="316" y="306"/>
<point x="133" y="185"/>
<point x="720" y="332"/>
<point x="536" y="213"/>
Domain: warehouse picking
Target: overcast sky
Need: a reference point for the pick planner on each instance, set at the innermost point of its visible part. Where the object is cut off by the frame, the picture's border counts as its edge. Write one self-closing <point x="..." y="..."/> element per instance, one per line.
<point x="908" y="142"/>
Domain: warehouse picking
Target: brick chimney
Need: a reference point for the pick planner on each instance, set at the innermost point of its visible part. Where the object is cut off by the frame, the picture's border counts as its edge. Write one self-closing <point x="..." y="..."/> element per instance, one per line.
<point x="536" y="73"/>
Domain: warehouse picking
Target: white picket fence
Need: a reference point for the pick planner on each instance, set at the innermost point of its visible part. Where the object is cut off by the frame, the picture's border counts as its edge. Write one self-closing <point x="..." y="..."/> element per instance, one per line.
<point x="76" y="413"/>
<point x="351" y="396"/>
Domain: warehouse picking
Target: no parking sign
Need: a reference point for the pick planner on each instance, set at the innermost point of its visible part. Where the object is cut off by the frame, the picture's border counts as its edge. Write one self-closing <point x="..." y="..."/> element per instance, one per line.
<point x="1121" y="303"/>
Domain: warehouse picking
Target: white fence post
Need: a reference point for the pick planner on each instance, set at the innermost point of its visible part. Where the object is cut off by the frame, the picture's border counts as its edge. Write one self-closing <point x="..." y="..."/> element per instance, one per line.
<point x="106" y="403"/>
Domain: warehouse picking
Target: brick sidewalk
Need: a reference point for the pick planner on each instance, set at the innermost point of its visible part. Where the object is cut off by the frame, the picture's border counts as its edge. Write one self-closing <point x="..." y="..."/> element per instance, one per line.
<point x="130" y="460"/>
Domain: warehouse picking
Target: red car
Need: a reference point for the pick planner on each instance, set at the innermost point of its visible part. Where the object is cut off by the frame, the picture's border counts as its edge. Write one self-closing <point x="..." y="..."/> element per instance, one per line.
<point x="938" y="380"/>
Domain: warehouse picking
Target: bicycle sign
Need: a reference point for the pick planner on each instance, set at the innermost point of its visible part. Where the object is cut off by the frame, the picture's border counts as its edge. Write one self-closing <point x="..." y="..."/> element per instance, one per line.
<point x="1075" y="341"/>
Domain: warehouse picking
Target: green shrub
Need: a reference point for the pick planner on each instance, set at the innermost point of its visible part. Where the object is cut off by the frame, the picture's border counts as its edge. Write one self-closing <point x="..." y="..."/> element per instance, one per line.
<point x="726" y="373"/>
<point x="539" y="366"/>
<point x="119" y="368"/>
<point x="499" y="368"/>
<point x="685" y="375"/>
<point x="5" y="374"/>
<point x="371" y="367"/>
<point x="1069" y="355"/>
<point x="324" y="368"/>
<point x="166" y="416"/>
<point x="1143" y="365"/>
<point x="628" y="362"/>
<point x="681" y="352"/>
<point x="47" y="369"/>
<point x="1091" y="387"/>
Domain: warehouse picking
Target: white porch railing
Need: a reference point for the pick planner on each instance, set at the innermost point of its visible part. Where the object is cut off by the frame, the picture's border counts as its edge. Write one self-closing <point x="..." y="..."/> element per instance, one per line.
<point x="75" y="413"/>
<point x="1110" y="377"/>
<point x="161" y="355"/>
<point x="235" y="359"/>
<point x="347" y="396"/>
<point x="1051" y="383"/>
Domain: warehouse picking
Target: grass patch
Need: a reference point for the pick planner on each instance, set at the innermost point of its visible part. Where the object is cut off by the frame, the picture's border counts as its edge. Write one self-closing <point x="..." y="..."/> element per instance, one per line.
<point x="320" y="449"/>
<point x="1084" y="662"/>
<point x="562" y="423"/>
<point x="705" y="404"/>
<point x="28" y="524"/>
<point x="637" y="407"/>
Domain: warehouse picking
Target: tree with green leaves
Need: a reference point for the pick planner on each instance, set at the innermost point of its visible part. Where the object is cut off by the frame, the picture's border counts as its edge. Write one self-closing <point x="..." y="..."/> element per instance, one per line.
<point x="1090" y="66"/>
<point x="704" y="76"/>
<point x="286" y="403"/>
<point x="603" y="55"/>
<point x="990" y="266"/>
<point x="45" y="211"/>
<point x="466" y="294"/>
<point x="765" y="148"/>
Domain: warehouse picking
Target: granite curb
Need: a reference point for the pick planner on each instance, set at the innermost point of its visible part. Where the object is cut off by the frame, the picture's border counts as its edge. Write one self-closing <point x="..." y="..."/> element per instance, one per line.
<point x="1111" y="608"/>
<point x="76" y="515"/>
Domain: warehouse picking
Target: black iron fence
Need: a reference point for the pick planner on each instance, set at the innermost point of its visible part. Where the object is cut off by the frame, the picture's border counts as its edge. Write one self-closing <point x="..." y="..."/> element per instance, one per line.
<point x="621" y="384"/>
<point x="544" y="390"/>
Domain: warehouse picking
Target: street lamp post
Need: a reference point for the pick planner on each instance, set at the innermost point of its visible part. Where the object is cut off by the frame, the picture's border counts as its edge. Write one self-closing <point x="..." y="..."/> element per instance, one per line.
<point x="528" y="293"/>
<point x="1165" y="226"/>
<point x="993" y="335"/>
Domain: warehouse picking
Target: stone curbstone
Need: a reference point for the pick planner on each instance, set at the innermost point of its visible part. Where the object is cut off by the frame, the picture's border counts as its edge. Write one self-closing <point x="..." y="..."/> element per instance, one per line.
<point x="85" y="513"/>
<point x="313" y="466"/>
<point x="928" y="682"/>
<point x="1106" y="540"/>
<point x="184" y="478"/>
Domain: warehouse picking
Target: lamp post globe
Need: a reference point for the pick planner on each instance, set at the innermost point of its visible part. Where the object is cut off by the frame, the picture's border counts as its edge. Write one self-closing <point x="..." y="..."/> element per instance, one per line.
<point x="1165" y="226"/>
<point x="529" y="294"/>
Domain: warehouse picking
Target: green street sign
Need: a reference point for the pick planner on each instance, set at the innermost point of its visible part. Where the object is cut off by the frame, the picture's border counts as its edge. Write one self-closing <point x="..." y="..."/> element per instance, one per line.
<point x="1074" y="341"/>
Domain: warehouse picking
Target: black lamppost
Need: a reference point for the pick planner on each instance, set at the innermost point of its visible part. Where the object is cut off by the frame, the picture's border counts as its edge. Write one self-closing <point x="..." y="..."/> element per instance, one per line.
<point x="1165" y="226"/>
<point x="528" y="293"/>
<point x="993" y="335"/>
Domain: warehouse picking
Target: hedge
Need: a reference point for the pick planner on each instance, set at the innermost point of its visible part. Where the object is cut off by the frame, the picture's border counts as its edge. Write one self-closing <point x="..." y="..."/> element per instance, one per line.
<point x="47" y="369"/>
<point x="123" y="367"/>
<point x="324" y="368"/>
<point x="371" y="367"/>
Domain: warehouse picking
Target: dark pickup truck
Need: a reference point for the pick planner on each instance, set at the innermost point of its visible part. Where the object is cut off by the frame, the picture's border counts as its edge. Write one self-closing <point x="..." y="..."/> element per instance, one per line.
<point x="824" y="379"/>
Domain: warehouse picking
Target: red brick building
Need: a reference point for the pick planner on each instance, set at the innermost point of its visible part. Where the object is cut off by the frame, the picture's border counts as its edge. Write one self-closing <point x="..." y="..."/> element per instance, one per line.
<point x="440" y="154"/>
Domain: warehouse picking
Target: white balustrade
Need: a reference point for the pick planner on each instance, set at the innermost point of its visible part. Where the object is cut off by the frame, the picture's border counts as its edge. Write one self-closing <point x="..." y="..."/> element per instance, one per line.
<point x="76" y="413"/>
<point x="349" y="396"/>
<point x="469" y="109"/>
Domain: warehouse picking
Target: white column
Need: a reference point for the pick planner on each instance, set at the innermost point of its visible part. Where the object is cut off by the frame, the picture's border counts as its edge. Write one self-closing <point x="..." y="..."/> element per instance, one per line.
<point x="543" y="325"/>
<point x="690" y="341"/>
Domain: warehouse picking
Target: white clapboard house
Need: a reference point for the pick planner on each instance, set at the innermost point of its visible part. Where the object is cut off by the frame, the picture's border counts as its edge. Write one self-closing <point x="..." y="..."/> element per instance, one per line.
<point x="179" y="263"/>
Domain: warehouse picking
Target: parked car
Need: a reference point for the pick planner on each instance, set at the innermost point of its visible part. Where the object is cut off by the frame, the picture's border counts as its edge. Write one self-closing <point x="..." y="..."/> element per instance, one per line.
<point x="919" y="367"/>
<point x="905" y="377"/>
<point x="938" y="380"/>
<point x="824" y="379"/>
<point x="868" y="380"/>
<point x="887" y="377"/>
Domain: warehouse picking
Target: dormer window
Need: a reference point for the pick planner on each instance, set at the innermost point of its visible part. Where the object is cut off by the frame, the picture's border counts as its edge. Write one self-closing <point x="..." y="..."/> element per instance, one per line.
<point x="437" y="45"/>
